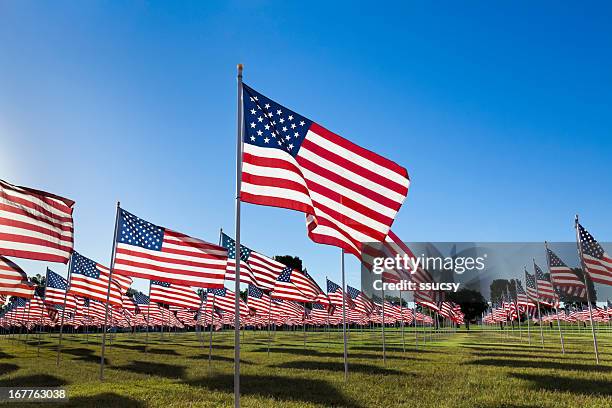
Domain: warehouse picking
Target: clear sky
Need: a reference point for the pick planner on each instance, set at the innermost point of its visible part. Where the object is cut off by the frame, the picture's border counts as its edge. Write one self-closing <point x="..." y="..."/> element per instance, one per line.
<point x="502" y="113"/>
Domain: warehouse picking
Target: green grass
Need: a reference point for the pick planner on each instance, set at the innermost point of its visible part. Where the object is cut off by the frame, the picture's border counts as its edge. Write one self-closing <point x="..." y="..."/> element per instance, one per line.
<point x="479" y="368"/>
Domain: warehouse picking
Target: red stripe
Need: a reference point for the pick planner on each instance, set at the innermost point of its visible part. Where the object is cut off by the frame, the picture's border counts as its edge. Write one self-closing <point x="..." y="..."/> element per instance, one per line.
<point x="176" y="280"/>
<point x="351" y="166"/>
<point x="37" y="212"/>
<point x="266" y="181"/>
<point x="340" y="141"/>
<point x="123" y="250"/>
<point x="33" y="241"/>
<point x="276" y="202"/>
<point x="271" y="162"/>
<point x="37" y="256"/>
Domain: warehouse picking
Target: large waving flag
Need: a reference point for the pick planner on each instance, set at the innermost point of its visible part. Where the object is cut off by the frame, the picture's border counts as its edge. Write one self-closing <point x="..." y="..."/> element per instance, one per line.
<point x="89" y="279"/>
<point x="350" y="195"/>
<point x="362" y="303"/>
<point x="545" y="287"/>
<point x="597" y="262"/>
<point x="148" y="251"/>
<point x="255" y="268"/>
<point x="174" y="295"/>
<point x="35" y="224"/>
<point x="13" y="280"/>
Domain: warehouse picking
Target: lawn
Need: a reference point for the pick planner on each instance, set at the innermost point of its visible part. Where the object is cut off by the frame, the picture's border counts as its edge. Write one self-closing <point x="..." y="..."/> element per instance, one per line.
<point x="476" y="368"/>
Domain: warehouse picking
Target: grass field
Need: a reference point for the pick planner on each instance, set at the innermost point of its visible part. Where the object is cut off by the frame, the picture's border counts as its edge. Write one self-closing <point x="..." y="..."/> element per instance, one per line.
<point x="479" y="368"/>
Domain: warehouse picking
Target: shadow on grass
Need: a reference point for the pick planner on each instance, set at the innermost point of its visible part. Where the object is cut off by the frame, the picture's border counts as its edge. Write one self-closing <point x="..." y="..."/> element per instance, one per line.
<point x="138" y="347"/>
<point x="549" y="365"/>
<point x="279" y="388"/>
<point x="4" y="355"/>
<point x="330" y="354"/>
<point x="6" y="368"/>
<point x="36" y="380"/>
<point x="104" y="400"/>
<point x="339" y="366"/>
<point x="204" y="357"/>
<point x="527" y="349"/>
<point x="573" y="385"/>
<point x="156" y="369"/>
<point x="165" y="352"/>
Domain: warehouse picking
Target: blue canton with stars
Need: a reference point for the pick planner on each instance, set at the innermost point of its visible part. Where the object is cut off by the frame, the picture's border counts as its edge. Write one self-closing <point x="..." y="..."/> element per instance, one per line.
<point x="56" y="281"/>
<point x="554" y="260"/>
<point x="285" y="275"/>
<point x="353" y="293"/>
<point x="332" y="287"/>
<point x="255" y="292"/>
<point x="229" y="244"/>
<point x="140" y="298"/>
<point x="530" y="281"/>
<point x="268" y="124"/>
<point x="218" y="292"/>
<point x="589" y="245"/>
<point x="84" y="266"/>
<point x="135" y="231"/>
<point x="159" y="283"/>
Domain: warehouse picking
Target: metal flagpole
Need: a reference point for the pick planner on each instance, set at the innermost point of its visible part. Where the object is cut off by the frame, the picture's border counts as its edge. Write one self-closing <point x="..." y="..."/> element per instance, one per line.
<point x="59" y="344"/>
<point x="584" y="277"/>
<point x="110" y="278"/>
<point x="556" y="310"/>
<point x="269" y="322"/>
<point x="344" y="315"/>
<point x="304" y="324"/>
<point x="518" y="310"/>
<point x="148" y="320"/>
<point x="416" y="332"/>
<point x="402" y="316"/>
<point x="212" y="321"/>
<point x="535" y="276"/>
<point x="383" y="322"/>
<point x="239" y="142"/>
<point x="528" y="324"/>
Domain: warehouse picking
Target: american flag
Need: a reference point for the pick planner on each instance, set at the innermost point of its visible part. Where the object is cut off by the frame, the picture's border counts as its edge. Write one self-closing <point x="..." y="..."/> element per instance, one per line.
<point x="35" y="224"/>
<point x="336" y="295"/>
<point x="175" y="295"/>
<point x="563" y="277"/>
<point x="293" y="285"/>
<point x="597" y="262"/>
<point x="363" y="304"/>
<point x="224" y="299"/>
<point x="530" y="283"/>
<point x="89" y="279"/>
<point x="148" y="251"/>
<point x="258" y="300"/>
<point x="349" y="194"/>
<point x="255" y="268"/>
<point x="55" y="291"/>
<point x="545" y="287"/>
<point x="13" y="280"/>
<point x="521" y="297"/>
<point x="287" y="308"/>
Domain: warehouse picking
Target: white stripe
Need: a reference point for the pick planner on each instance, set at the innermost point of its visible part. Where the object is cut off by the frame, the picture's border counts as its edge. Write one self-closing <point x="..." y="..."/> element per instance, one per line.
<point x="167" y="259"/>
<point x="356" y="159"/>
<point x="34" y="200"/>
<point x="273" y="172"/>
<point x="275" y="192"/>
<point x="41" y="249"/>
<point x="175" y="276"/>
<point x="8" y="229"/>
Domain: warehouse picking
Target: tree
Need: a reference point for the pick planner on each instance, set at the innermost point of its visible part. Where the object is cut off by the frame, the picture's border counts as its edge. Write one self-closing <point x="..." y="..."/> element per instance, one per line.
<point x="498" y="288"/>
<point x="292" y="261"/>
<point x="472" y="303"/>
<point x="39" y="280"/>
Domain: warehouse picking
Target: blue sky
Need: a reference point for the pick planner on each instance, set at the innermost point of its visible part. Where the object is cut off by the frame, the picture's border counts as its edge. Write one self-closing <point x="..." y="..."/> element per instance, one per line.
<point x="501" y="113"/>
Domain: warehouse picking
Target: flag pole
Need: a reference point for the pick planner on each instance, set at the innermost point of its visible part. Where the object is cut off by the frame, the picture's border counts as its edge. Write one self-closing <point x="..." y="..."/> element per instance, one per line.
<point x="110" y="278"/>
<point x="384" y="348"/>
<point x="344" y="315"/>
<point x="402" y="316"/>
<point x="556" y="310"/>
<point x="148" y="320"/>
<point x="59" y="344"/>
<point x="535" y="277"/>
<point x="212" y="321"/>
<point x="584" y="277"/>
<point x="269" y="322"/>
<point x="518" y="310"/>
<point x="239" y="141"/>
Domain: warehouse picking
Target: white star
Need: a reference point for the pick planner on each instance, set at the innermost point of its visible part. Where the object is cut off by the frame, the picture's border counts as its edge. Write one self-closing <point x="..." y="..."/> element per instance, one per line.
<point x="252" y="138"/>
<point x="253" y="111"/>
<point x="290" y="117"/>
<point x="278" y="112"/>
<point x="281" y="120"/>
<point x="284" y="128"/>
<point x="302" y="123"/>
<point x="266" y="140"/>
<point x="291" y="145"/>
<point x="267" y="127"/>
<point x="267" y="106"/>
<point x="287" y="137"/>
<point x="253" y="125"/>
<point x="293" y="126"/>
<point x="259" y="133"/>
